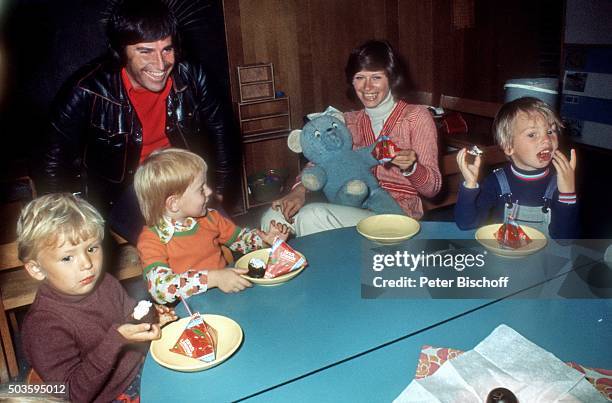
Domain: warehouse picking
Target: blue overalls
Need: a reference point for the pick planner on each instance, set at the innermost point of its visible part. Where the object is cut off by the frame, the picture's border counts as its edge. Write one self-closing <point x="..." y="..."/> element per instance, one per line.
<point x="537" y="217"/>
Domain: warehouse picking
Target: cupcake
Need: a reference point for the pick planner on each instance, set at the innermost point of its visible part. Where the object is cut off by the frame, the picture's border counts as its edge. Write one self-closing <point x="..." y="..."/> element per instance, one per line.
<point x="501" y="395"/>
<point x="144" y="312"/>
<point x="257" y="268"/>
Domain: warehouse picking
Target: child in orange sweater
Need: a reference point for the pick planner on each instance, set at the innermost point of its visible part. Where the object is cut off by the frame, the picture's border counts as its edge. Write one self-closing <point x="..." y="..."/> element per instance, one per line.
<point x="181" y="245"/>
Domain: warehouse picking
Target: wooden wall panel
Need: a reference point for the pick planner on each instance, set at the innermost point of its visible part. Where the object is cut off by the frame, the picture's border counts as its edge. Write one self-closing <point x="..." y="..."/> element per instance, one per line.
<point x="416" y="41"/>
<point x="504" y="42"/>
<point x="308" y="41"/>
<point x="269" y="34"/>
<point x="336" y="27"/>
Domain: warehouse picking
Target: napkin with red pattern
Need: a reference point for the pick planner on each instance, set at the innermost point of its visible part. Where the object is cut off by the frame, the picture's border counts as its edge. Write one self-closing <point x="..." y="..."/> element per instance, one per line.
<point x="503" y="359"/>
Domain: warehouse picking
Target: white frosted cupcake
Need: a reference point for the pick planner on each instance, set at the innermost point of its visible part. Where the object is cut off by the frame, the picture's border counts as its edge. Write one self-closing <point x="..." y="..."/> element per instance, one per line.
<point x="144" y="312"/>
<point x="257" y="268"/>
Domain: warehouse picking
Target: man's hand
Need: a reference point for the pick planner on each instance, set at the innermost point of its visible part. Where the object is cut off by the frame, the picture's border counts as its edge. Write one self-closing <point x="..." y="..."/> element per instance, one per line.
<point x="139" y="333"/>
<point x="291" y="203"/>
<point x="566" y="171"/>
<point x="469" y="171"/>
<point x="228" y="280"/>
<point x="404" y="159"/>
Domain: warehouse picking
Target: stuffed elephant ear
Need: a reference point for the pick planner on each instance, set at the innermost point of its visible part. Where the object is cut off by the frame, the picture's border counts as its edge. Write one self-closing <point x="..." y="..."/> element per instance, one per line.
<point x="330" y="111"/>
<point x="293" y="141"/>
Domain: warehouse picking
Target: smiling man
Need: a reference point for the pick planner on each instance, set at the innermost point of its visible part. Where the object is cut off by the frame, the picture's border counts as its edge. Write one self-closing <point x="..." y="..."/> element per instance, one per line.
<point x="116" y="111"/>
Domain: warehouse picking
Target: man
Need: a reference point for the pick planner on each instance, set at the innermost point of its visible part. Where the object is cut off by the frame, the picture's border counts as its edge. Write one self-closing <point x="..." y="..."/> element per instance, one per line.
<point x="118" y="110"/>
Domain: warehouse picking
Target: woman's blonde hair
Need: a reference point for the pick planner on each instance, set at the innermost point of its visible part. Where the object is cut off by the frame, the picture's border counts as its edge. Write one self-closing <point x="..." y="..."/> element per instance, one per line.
<point x="504" y="120"/>
<point x="165" y="173"/>
<point x="55" y="217"/>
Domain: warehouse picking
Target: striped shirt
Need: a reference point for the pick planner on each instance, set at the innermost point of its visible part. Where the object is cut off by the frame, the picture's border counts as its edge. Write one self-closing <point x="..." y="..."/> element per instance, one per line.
<point x="409" y="127"/>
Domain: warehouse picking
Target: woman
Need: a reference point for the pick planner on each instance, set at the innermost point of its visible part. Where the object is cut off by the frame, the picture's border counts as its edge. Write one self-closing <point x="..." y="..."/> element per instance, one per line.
<point x="375" y="78"/>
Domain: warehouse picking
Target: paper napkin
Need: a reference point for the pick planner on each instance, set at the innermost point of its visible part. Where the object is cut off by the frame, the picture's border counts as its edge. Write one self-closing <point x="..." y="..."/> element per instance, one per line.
<point x="503" y="359"/>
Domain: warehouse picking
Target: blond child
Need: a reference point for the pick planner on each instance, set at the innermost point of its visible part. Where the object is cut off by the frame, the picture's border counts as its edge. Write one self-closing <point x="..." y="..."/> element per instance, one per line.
<point x="77" y="331"/>
<point x="181" y="246"/>
<point x="527" y="130"/>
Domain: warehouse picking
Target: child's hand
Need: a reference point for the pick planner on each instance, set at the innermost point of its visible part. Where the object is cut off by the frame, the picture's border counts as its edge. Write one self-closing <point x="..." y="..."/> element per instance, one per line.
<point x="469" y="171"/>
<point x="228" y="280"/>
<point x="139" y="333"/>
<point x="565" y="171"/>
<point x="166" y="314"/>
<point x="277" y="230"/>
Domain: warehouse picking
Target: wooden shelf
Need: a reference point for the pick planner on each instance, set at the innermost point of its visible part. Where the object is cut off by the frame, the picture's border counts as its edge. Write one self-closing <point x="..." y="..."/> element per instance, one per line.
<point x="265" y="125"/>
<point x="259" y="117"/>
<point x="263" y="108"/>
<point x="264" y="117"/>
<point x="268" y="153"/>
<point x="265" y="136"/>
<point x="255" y="73"/>
<point x="256" y="82"/>
<point x="264" y="90"/>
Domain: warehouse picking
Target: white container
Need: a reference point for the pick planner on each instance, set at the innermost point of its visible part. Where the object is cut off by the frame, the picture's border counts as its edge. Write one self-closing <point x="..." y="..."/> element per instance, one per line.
<point x="545" y="89"/>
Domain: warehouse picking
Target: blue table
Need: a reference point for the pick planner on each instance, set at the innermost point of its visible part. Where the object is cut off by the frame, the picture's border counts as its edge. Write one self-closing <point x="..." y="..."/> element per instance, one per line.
<point x="318" y="321"/>
<point x="574" y="330"/>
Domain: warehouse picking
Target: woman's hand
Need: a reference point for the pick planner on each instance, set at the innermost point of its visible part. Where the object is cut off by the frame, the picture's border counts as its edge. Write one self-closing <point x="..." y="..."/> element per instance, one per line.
<point x="469" y="171"/>
<point x="291" y="203"/>
<point x="404" y="159"/>
<point x="165" y="313"/>
<point x="566" y="171"/>
<point x="277" y="230"/>
<point x="139" y="333"/>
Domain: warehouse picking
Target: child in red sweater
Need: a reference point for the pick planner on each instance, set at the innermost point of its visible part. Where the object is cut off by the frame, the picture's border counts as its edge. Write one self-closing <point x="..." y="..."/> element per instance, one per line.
<point x="77" y="331"/>
<point x="181" y="246"/>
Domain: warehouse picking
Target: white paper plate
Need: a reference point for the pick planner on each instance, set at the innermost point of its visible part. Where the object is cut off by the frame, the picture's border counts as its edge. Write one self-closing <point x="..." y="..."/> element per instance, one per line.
<point x="486" y="237"/>
<point x="388" y="228"/>
<point x="229" y="337"/>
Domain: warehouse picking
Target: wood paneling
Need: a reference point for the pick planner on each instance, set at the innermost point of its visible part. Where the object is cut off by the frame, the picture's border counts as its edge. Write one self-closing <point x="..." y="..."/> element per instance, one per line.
<point x="416" y="41"/>
<point x="308" y="41"/>
<point x="505" y="42"/>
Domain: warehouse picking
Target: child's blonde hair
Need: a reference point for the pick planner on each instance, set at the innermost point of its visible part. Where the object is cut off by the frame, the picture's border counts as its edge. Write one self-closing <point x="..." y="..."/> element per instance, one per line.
<point x="165" y="173"/>
<point x="504" y="120"/>
<point x="54" y="218"/>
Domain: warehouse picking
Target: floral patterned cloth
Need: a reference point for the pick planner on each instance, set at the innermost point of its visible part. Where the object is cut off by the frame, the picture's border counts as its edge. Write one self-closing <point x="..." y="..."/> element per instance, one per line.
<point x="432" y="358"/>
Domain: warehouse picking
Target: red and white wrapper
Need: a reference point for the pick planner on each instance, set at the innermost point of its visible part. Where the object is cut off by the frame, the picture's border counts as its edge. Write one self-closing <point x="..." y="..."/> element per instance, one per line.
<point x="198" y="340"/>
<point x="283" y="259"/>
<point x="385" y="150"/>
<point x="510" y="235"/>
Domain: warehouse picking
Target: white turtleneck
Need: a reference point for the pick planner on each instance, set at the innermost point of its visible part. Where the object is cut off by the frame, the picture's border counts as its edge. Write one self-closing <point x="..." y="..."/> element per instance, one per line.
<point x="380" y="113"/>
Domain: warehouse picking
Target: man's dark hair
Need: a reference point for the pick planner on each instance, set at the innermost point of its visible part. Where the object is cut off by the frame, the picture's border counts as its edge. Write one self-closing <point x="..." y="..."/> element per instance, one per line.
<point x="376" y="55"/>
<point x="135" y="21"/>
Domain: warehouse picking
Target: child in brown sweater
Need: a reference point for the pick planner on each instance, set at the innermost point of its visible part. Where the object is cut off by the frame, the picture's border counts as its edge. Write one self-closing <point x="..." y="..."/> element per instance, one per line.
<point x="76" y="331"/>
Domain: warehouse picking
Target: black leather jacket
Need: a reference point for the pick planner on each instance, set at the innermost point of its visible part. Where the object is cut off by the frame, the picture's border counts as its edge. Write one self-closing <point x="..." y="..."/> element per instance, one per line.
<point x="96" y="137"/>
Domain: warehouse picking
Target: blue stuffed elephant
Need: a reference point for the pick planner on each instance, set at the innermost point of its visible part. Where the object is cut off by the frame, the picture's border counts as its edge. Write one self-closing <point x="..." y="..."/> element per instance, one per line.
<point x="342" y="173"/>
